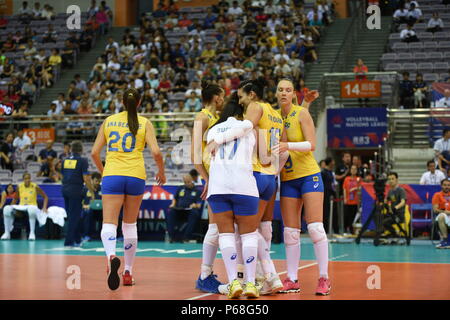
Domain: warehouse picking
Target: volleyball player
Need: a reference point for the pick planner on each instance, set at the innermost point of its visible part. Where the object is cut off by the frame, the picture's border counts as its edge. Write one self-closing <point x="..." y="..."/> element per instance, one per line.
<point x="233" y="197"/>
<point x="270" y="124"/>
<point x="301" y="184"/>
<point x="125" y="135"/>
<point x="213" y="100"/>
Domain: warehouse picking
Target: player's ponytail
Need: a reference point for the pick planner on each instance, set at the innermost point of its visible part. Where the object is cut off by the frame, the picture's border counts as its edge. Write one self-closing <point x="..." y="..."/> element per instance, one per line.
<point x="131" y="100"/>
<point x="209" y="90"/>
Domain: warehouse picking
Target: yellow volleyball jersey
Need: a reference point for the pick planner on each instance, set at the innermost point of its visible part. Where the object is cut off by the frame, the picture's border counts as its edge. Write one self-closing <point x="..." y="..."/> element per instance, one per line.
<point x="206" y="157"/>
<point x="299" y="164"/>
<point x="28" y="195"/>
<point x="123" y="150"/>
<point x="272" y="124"/>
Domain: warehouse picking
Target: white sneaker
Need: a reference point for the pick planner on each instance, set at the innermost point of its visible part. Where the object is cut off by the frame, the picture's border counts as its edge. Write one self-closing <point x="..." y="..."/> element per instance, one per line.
<point x="274" y="283"/>
<point x="6" y="236"/>
<point x="32" y="237"/>
<point x="224" y="288"/>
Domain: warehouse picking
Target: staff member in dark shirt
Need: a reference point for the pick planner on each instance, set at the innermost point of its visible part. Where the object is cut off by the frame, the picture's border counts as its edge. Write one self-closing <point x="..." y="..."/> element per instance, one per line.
<point x="329" y="184"/>
<point x="75" y="175"/>
<point x="186" y="204"/>
<point x="343" y="170"/>
<point x="7" y="152"/>
<point x="397" y="199"/>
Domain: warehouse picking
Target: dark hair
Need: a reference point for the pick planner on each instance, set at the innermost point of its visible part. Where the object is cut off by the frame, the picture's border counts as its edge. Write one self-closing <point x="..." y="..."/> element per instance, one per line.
<point x="131" y="99"/>
<point x="392" y="173"/>
<point x="210" y="90"/>
<point x="26" y="173"/>
<point x="231" y="109"/>
<point x="443" y="180"/>
<point x="429" y="162"/>
<point x="193" y="173"/>
<point x="77" y="147"/>
<point x="257" y="86"/>
<point x="445" y="131"/>
<point x="328" y="160"/>
<point x="67" y="143"/>
<point x="96" y="175"/>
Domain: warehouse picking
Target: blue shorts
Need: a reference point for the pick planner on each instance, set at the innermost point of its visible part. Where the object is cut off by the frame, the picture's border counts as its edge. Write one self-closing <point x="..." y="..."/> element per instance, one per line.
<point x="298" y="187"/>
<point x="123" y="185"/>
<point x="266" y="183"/>
<point x="239" y="204"/>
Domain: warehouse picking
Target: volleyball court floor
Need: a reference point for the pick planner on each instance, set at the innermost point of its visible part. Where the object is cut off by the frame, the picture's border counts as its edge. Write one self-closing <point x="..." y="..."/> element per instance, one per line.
<point x="46" y="270"/>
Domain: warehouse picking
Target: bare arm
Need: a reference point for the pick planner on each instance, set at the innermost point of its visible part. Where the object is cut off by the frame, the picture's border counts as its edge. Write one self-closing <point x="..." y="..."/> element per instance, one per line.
<point x="99" y="143"/>
<point x="16" y="198"/>
<point x="150" y="139"/>
<point x="254" y="113"/>
<point x="87" y="180"/>
<point x="43" y="195"/>
<point x="200" y="127"/>
<point x="3" y="200"/>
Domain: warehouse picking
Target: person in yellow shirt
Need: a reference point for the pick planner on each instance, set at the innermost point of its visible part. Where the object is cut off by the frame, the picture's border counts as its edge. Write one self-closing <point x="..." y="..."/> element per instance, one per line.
<point x="55" y="58"/>
<point x="208" y="53"/>
<point x="27" y="193"/>
<point x="213" y="101"/>
<point x="301" y="184"/>
<point x="125" y="134"/>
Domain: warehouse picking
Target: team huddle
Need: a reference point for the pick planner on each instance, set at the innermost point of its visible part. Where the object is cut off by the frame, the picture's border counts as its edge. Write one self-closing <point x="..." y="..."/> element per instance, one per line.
<point x="240" y="147"/>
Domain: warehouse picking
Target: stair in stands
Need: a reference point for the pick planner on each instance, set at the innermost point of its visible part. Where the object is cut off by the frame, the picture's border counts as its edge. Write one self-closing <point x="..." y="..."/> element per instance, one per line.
<point x="83" y="67"/>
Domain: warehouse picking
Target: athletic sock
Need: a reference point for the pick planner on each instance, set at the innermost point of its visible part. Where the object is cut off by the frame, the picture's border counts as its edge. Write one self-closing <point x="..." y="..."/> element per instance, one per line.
<point x="228" y="248"/>
<point x="292" y="246"/>
<point x="249" y="252"/>
<point x="109" y="238"/>
<point x="210" y="246"/>
<point x="130" y="240"/>
<point x="264" y="255"/>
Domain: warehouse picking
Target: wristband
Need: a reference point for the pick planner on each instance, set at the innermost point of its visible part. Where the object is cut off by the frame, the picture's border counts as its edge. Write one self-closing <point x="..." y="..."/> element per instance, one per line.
<point x="304" y="146"/>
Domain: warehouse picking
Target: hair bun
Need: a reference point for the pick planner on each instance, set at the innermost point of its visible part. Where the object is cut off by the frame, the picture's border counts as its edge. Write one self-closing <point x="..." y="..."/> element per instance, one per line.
<point x="205" y="84"/>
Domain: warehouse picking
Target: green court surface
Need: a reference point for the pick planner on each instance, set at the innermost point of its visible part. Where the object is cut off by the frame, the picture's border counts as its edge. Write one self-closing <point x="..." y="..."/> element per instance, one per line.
<point x="418" y="252"/>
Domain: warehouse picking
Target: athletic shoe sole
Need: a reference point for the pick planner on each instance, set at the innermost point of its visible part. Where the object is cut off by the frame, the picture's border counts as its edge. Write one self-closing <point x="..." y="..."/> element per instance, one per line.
<point x="236" y="294"/>
<point x="113" y="276"/>
<point x="289" y="291"/>
<point x="324" y="294"/>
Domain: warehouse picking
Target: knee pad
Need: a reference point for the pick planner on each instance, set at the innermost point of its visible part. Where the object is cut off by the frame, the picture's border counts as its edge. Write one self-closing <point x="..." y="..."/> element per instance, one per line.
<point x="8" y="211"/>
<point x="291" y="236"/>
<point x="129" y="230"/>
<point x="317" y="232"/>
<point x="265" y="228"/>
<point x="212" y="235"/>
<point x="250" y="239"/>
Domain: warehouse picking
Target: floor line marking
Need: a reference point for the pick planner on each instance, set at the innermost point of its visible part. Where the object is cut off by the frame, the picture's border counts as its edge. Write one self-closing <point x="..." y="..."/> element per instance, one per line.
<point x="280" y="273"/>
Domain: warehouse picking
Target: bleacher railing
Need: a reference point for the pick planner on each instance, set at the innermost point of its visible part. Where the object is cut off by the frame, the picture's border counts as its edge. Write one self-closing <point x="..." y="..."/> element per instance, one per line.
<point x="85" y="127"/>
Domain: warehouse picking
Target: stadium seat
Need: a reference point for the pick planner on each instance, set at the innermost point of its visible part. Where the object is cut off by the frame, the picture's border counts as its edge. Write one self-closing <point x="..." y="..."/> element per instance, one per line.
<point x="409" y="66"/>
<point x="430" y="77"/>
<point x="400" y="47"/>
<point x="416" y="46"/>
<point x="444" y="46"/>
<point x="435" y="56"/>
<point x="430" y="46"/>
<point x="441" y="67"/>
<point x="420" y="57"/>
<point x="424" y="67"/>
<point x="425" y="36"/>
<point x="404" y="57"/>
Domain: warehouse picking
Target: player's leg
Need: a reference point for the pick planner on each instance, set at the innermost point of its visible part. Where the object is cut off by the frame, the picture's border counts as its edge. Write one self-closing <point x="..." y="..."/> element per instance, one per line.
<point x="8" y="220"/>
<point x="245" y="210"/>
<point x="290" y="212"/>
<point x="113" y="196"/>
<point x="32" y="217"/>
<point x="312" y="194"/>
<point x="207" y="281"/>
<point x="132" y="203"/>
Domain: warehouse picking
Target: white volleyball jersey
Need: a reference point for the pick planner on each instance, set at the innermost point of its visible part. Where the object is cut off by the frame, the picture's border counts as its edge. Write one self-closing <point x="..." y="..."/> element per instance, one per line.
<point x="231" y="170"/>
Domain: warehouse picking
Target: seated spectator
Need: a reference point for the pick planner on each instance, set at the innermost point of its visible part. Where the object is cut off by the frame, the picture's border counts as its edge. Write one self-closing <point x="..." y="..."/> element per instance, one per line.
<point x="102" y="20"/>
<point x="3" y="21"/>
<point x="50" y="35"/>
<point x="52" y="111"/>
<point x="414" y="14"/>
<point x="406" y="92"/>
<point x="25" y="13"/>
<point x="41" y="56"/>
<point x="441" y="205"/>
<point x="208" y="53"/>
<point x="164" y="85"/>
<point x="37" y="11"/>
<point x="48" y="12"/>
<point x="235" y="9"/>
<point x="30" y="50"/>
<point x="181" y="84"/>
<point x="447" y="78"/>
<point x="68" y="54"/>
<point x="408" y="35"/>
<point x="432" y="176"/>
<point x="85" y="107"/>
<point x="209" y="20"/>
<point x="66" y="151"/>
<point x="48" y="151"/>
<point x="401" y="16"/>
<point x="9" y="45"/>
<point x="48" y="170"/>
<point x="86" y="37"/>
<point x="444" y="102"/>
<point x="420" y="92"/>
<point x="435" y="24"/>
<point x="114" y="65"/>
<point x="442" y="150"/>
<point x="160" y="102"/>
<point x="284" y="67"/>
<point x="184" y="207"/>
<point x="8" y="195"/>
<point x="55" y="59"/>
<point x="193" y="103"/>
<point x="22" y="142"/>
<point x="21" y="113"/>
<point x="127" y="48"/>
<point x="102" y="104"/>
<point x="60" y="102"/>
<point x="7" y="152"/>
<point x="92" y="208"/>
<point x="28" y="90"/>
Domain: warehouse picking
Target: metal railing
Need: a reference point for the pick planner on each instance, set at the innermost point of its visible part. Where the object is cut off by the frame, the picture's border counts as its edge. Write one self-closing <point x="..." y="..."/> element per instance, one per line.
<point x="85" y="127"/>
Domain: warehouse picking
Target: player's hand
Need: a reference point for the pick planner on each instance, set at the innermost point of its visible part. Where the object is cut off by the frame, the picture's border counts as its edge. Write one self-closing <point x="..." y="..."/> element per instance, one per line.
<point x="160" y="178"/>
<point x="312" y="95"/>
<point x="205" y="191"/>
<point x="280" y="148"/>
<point x="44" y="210"/>
<point x="212" y="147"/>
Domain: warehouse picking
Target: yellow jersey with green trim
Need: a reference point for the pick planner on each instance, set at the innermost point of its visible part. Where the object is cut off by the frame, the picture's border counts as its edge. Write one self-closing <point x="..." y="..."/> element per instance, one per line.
<point x="299" y="164"/>
<point x="206" y="156"/>
<point x="28" y="195"/>
<point x="270" y="128"/>
<point x="124" y="155"/>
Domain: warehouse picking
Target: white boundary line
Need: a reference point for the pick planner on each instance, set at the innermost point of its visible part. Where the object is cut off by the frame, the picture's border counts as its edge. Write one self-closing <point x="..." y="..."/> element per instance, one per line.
<point x="280" y="273"/>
